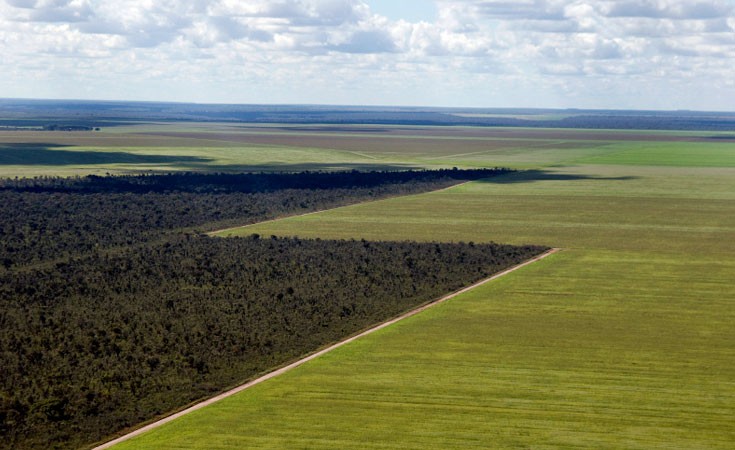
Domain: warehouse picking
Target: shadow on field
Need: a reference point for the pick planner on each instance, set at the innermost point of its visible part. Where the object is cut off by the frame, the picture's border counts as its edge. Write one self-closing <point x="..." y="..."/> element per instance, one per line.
<point x="528" y="176"/>
<point x="43" y="154"/>
<point x="46" y="154"/>
<point x="725" y="138"/>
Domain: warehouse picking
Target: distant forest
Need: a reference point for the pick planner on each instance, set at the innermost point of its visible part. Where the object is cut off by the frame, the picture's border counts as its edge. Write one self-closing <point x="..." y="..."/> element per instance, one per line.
<point x="115" y="308"/>
<point x="61" y="114"/>
<point x="47" y="218"/>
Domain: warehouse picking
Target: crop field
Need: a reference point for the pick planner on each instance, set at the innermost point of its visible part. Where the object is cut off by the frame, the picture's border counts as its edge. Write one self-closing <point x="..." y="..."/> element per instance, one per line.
<point x="624" y="339"/>
<point x="165" y="147"/>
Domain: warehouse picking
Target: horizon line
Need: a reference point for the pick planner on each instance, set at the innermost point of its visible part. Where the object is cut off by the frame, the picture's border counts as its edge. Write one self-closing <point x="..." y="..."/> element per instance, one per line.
<point x="371" y="106"/>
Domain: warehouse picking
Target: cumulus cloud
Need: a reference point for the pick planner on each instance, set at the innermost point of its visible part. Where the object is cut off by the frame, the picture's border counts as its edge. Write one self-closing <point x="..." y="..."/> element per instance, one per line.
<point x="146" y="23"/>
<point x="52" y="10"/>
<point x="521" y="10"/>
<point x="539" y="44"/>
<point x="374" y="41"/>
<point x="662" y="9"/>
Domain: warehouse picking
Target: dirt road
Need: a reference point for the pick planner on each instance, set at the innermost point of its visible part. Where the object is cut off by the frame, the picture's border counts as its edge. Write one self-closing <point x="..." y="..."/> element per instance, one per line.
<point x="317" y="354"/>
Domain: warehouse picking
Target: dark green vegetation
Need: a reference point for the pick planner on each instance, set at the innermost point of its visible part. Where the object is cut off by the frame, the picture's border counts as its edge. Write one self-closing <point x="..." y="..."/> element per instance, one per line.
<point x="623" y="340"/>
<point x="111" y="314"/>
<point x="101" y="343"/>
<point x="49" y="218"/>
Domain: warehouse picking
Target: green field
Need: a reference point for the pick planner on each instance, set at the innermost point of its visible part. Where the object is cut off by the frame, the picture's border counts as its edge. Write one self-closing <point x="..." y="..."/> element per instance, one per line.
<point x="623" y="340"/>
<point x="165" y="147"/>
<point x="682" y="154"/>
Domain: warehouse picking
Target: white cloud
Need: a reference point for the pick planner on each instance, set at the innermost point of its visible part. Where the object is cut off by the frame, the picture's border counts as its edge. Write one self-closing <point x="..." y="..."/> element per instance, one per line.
<point x="669" y="9"/>
<point x="373" y="41"/>
<point x="339" y="50"/>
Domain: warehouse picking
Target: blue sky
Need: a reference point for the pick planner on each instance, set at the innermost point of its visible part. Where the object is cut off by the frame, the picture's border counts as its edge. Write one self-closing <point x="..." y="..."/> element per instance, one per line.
<point x="410" y="10"/>
<point x="624" y="54"/>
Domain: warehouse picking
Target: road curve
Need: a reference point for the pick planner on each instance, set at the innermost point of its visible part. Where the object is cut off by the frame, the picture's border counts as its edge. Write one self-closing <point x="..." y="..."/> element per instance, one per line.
<point x="317" y="354"/>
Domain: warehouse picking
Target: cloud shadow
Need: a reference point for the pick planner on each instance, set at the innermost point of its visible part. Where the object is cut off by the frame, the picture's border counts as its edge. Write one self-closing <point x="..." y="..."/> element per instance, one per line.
<point x="44" y="154"/>
<point x="529" y="176"/>
<point x="726" y="138"/>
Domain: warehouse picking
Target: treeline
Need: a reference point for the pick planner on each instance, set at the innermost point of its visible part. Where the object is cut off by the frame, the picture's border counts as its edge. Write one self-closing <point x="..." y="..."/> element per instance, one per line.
<point x="112" y="310"/>
<point x="208" y="183"/>
<point x="61" y="127"/>
<point x="48" y="218"/>
<point x="101" y="343"/>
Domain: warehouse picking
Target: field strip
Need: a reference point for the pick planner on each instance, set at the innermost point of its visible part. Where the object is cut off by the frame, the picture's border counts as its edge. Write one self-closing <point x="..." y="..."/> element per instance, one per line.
<point x="364" y="155"/>
<point x="212" y="233"/>
<point x="319" y="353"/>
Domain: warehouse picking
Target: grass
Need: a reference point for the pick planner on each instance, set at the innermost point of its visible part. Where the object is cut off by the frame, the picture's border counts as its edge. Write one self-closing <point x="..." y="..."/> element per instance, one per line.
<point x="562" y="208"/>
<point x="243" y="147"/>
<point x="682" y="154"/>
<point x="560" y="355"/>
<point x="624" y="340"/>
<point x="38" y="159"/>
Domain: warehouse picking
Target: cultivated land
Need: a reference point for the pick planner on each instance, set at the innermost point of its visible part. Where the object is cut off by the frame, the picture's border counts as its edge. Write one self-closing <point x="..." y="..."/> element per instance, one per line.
<point x="625" y="339"/>
<point x="114" y="310"/>
<point x="165" y="147"/>
<point x="324" y="351"/>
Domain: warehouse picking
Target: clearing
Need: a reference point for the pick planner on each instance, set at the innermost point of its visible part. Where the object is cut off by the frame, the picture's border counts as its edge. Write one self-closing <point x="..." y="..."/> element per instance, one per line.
<point x="626" y="339"/>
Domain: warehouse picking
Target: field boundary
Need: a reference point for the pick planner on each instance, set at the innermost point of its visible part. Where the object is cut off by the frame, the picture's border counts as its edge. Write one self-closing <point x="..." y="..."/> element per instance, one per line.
<point x="224" y="230"/>
<point x="319" y="353"/>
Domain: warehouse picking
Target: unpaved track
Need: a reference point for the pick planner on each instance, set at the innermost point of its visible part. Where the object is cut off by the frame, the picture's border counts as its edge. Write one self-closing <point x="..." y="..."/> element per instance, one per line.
<point x="319" y="353"/>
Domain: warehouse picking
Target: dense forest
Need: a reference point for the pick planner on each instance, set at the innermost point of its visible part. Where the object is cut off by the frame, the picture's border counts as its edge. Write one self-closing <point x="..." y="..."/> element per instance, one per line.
<point x="103" y="342"/>
<point x="113" y="311"/>
<point x="44" y="219"/>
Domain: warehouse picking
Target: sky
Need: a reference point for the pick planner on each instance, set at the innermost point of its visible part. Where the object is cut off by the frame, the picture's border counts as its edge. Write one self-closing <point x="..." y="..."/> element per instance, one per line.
<point x="621" y="54"/>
